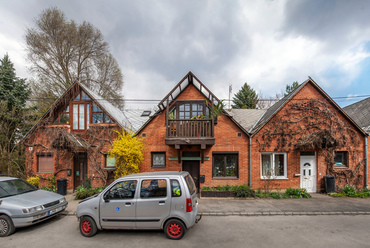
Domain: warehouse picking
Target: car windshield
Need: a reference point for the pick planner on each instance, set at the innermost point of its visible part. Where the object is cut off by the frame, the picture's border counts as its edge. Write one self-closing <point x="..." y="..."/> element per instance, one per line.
<point x="14" y="187"/>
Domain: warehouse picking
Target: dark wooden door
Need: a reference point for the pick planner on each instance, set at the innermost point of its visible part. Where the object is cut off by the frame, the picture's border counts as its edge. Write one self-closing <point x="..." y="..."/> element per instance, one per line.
<point x="79" y="169"/>
<point x="192" y="166"/>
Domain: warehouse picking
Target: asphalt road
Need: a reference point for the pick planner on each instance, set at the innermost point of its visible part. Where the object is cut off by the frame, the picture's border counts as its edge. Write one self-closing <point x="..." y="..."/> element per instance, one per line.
<point x="212" y="231"/>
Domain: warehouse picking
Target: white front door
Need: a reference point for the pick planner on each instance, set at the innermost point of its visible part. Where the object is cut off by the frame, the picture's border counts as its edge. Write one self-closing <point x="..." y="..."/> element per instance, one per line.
<point x="308" y="173"/>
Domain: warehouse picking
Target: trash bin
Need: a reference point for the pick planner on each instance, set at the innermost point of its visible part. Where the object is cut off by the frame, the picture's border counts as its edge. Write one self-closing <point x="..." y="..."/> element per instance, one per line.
<point x="329" y="183"/>
<point x="62" y="186"/>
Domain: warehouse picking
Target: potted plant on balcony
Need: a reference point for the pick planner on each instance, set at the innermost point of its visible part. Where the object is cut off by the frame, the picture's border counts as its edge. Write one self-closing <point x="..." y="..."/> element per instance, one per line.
<point x="217" y="110"/>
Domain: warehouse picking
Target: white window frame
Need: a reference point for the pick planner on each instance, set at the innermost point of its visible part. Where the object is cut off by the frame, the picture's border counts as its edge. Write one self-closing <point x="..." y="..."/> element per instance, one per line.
<point x="272" y="158"/>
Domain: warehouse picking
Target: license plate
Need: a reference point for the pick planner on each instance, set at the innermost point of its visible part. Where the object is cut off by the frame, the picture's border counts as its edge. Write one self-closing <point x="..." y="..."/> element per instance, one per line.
<point x="53" y="211"/>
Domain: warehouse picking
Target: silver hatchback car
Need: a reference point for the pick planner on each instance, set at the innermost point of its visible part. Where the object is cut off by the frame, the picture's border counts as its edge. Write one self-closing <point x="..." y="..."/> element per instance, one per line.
<point x="155" y="200"/>
<point x="21" y="204"/>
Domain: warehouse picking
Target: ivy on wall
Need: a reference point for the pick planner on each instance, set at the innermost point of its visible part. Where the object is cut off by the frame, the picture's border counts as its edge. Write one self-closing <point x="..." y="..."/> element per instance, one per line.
<point x="314" y="125"/>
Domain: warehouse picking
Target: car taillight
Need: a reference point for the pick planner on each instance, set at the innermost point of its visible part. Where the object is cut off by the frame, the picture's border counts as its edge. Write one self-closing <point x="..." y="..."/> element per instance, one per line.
<point x="189" y="205"/>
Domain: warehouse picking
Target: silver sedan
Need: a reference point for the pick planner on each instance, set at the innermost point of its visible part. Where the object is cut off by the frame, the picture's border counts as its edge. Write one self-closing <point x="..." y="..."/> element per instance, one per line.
<point x="21" y="204"/>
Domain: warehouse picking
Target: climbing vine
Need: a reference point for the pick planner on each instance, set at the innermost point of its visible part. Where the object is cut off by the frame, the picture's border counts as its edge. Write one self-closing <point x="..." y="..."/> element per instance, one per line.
<point x="314" y="125"/>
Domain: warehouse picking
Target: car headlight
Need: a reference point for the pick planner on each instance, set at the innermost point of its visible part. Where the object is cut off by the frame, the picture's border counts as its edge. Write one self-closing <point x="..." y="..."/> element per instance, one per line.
<point x="32" y="210"/>
<point x="62" y="200"/>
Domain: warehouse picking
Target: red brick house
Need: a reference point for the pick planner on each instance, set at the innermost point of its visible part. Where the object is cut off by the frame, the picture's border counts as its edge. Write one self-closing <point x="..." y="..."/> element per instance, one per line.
<point x="295" y="143"/>
<point x="304" y="137"/>
<point x="73" y="137"/>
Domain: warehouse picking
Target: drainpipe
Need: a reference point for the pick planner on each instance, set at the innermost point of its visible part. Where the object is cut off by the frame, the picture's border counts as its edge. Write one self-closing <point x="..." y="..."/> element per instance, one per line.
<point x="366" y="166"/>
<point x="250" y="162"/>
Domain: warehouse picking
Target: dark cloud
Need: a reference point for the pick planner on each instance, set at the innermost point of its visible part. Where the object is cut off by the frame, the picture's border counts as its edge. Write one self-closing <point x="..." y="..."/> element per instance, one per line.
<point x="335" y="22"/>
<point x="177" y="37"/>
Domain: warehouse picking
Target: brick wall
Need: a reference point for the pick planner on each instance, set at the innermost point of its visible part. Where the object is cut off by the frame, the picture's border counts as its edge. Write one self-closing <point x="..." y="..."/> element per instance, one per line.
<point x="293" y="156"/>
<point x="226" y="140"/>
<point x="99" y="137"/>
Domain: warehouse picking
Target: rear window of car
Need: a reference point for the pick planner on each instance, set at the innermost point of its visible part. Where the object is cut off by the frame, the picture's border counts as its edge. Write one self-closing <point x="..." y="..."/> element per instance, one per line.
<point x="191" y="185"/>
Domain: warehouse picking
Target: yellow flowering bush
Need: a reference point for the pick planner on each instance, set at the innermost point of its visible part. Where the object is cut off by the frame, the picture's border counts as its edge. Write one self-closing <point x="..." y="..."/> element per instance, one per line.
<point x="35" y="181"/>
<point x="127" y="150"/>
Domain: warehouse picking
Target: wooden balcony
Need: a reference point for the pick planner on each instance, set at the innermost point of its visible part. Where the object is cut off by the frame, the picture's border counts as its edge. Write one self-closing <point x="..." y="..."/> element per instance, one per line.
<point x="190" y="132"/>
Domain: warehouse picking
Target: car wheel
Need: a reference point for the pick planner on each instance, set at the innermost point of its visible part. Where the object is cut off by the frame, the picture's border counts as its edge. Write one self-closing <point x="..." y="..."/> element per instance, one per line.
<point x="174" y="229"/>
<point x="6" y="226"/>
<point x="88" y="227"/>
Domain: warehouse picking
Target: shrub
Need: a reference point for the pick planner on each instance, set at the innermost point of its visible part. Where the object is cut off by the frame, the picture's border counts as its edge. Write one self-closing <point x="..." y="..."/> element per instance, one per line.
<point x="51" y="184"/>
<point x="349" y="190"/>
<point x="297" y="193"/>
<point x="35" y="181"/>
<point x="87" y="183"/>
<point x="245" y="191"/>
<point x="82" y="192"/>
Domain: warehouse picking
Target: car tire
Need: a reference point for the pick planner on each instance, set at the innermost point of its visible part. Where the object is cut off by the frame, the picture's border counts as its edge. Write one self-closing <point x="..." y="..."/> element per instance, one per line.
<point x="6" y="226"/>
<point x="174" y="229"/>
<point x="88" y="226"/>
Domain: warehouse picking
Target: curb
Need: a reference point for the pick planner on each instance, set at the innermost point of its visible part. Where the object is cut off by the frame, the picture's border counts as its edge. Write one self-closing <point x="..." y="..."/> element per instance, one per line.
<point x="280" y="213"/>
<point x="69" y="213"/>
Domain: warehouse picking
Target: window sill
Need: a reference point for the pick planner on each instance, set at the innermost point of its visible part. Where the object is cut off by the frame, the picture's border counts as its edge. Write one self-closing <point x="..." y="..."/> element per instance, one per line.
<point x="340" y="167"/>
<point x="225" y="178"/>
<point x="271" y="179"/>
<point x="109" y="168"/>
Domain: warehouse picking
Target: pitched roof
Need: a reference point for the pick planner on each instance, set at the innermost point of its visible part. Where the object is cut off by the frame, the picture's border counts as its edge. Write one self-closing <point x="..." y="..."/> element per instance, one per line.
<point x="360" y="113"/>
<point x="189" y="78"/>
<point x="115" y="113"/>
<point x="275" y="108"/>
<point x="246" y="118"/>
<point x="137" y="118"/>
<point x="280" y="104"/>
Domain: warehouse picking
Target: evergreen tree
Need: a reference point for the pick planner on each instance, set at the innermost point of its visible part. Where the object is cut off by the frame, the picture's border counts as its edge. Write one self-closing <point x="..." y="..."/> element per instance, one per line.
<point x="246" y="98"/>
<point x="15" y="118"/>
<point x="291" y="88"/>
<point x="13" y="90"/>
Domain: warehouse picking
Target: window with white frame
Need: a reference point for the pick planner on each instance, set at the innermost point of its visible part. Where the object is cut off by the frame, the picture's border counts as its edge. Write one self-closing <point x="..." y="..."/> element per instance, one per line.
<point x="273" y="165"/>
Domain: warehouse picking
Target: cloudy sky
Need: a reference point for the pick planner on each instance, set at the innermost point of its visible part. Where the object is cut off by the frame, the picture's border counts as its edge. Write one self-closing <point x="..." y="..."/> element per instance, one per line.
<point x="266" y="43"/>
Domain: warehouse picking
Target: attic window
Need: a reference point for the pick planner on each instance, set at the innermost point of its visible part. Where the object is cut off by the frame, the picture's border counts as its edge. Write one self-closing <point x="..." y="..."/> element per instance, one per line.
<point x="82" y="96"/>
<point x="146" y="113"/>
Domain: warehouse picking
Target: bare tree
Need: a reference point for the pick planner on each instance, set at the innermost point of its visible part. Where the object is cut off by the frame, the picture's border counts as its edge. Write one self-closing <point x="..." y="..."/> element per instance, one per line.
<point x="61" y="52"/>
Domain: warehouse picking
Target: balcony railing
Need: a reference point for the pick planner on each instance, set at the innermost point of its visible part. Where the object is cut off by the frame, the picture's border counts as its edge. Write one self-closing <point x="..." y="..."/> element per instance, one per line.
<point x="190" y="128"/>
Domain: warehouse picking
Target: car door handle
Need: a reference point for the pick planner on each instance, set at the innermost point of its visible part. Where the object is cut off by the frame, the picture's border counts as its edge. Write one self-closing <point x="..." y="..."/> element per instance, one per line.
<point x="162" y="203"/>
<point x="127" y="204"/>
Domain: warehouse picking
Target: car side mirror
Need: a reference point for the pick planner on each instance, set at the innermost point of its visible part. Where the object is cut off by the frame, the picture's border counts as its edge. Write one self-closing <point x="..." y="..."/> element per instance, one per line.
<point x="105" y="197"/>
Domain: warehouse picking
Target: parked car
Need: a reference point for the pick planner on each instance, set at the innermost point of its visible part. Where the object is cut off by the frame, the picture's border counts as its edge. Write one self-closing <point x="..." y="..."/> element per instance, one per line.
<point x="155" y="200"/>
<point x="22" y="204"/>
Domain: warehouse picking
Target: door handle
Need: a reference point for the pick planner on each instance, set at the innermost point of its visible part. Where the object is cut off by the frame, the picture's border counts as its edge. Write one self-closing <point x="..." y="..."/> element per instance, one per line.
<point x="162" y="203"/>
<point x="127" y="204"/>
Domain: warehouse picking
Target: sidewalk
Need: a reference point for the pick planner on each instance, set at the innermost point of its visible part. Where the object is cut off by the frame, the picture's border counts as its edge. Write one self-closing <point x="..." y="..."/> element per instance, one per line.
<point x="319" y="204"/>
